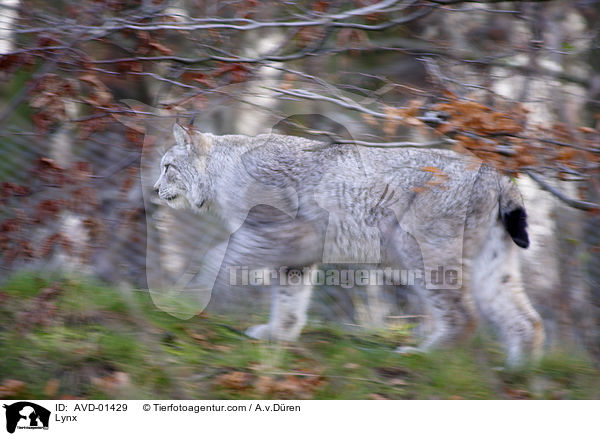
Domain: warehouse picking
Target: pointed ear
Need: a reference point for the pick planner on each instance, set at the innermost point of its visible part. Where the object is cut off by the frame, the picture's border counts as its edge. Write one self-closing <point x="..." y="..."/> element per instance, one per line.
<point x="182" y="137"/>
<point x="200" y="142"/>
<point x="192" y="139"/>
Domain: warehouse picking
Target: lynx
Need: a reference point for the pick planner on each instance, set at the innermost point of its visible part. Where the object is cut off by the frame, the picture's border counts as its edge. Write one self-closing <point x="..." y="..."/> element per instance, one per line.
<point x="293" y="203"/>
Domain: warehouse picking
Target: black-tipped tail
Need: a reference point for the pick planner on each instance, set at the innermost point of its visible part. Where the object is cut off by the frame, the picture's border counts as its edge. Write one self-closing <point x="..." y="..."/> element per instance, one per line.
<point x="515" y="223"/>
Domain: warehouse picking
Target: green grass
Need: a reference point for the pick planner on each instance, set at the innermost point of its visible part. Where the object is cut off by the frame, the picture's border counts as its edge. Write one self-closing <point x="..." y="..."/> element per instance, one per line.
<point x="84" y="340"/>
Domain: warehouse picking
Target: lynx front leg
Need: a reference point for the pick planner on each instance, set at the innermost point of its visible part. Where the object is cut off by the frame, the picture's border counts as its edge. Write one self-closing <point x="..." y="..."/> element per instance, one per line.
<point x="289" y="305"/>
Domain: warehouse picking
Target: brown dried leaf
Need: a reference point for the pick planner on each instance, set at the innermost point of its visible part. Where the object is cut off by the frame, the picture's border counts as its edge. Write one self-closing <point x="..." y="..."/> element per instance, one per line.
<point x="288" y="386"/>
<point x="51" y="387"/>
<point x="113" y="383"/>
<point x="518" y="394"/>
<point x="237" y="380"/>
<point x="11" y="388"/>
<point x="585" y="129"/>
<point x="161" y="48"/>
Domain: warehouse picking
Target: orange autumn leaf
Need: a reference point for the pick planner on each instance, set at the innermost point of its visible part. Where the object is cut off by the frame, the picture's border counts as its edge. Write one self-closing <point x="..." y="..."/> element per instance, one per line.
<point x="430" y="169"/>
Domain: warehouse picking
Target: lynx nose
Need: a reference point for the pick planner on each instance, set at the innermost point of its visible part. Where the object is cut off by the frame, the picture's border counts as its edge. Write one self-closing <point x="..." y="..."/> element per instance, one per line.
<point x="155" y="188"/>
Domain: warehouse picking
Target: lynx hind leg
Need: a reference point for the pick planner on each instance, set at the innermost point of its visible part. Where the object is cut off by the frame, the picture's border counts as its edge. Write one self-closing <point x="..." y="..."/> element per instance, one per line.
<point x="289" y="306"/>
<point x="451" y="308"/>
<point x="452" y="318"/>
<point x="448" y="303"/>
<point x="500" y="297"/>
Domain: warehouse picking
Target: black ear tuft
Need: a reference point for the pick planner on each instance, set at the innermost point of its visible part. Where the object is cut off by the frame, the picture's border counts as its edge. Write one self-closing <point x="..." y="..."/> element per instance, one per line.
<point x="515" y="223"/>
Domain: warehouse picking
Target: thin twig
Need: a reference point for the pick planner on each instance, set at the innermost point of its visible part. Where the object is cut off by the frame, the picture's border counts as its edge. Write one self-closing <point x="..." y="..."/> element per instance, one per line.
<point x="577" y="204"/>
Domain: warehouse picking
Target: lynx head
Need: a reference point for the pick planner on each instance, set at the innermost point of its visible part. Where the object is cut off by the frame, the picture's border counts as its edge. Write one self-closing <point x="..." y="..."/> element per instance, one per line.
<point x="184" y="181"/>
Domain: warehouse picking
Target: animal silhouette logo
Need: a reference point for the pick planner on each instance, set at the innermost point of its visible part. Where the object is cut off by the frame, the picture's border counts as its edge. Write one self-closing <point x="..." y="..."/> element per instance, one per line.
<point x="26" y="415"/>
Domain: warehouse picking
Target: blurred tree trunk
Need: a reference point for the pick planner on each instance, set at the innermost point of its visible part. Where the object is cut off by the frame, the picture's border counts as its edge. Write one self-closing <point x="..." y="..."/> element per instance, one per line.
<point x="591" y="13"/>
<point x="8" y="15"/>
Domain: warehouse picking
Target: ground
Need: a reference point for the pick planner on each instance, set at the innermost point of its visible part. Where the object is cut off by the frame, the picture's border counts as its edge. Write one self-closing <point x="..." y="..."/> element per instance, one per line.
<point x="68" y="338"/>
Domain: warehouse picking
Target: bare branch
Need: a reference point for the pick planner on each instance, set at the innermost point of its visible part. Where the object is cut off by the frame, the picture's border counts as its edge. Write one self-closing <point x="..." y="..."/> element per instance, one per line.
<point x="454" y="2"/>
<point x="577" y="204"/>
<point x="216" y="24"/>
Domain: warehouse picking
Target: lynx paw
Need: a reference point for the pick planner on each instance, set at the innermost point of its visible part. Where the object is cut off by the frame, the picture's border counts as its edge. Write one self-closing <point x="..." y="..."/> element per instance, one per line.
<point x="260" y="331"/>
<point x="409" y="350"/>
